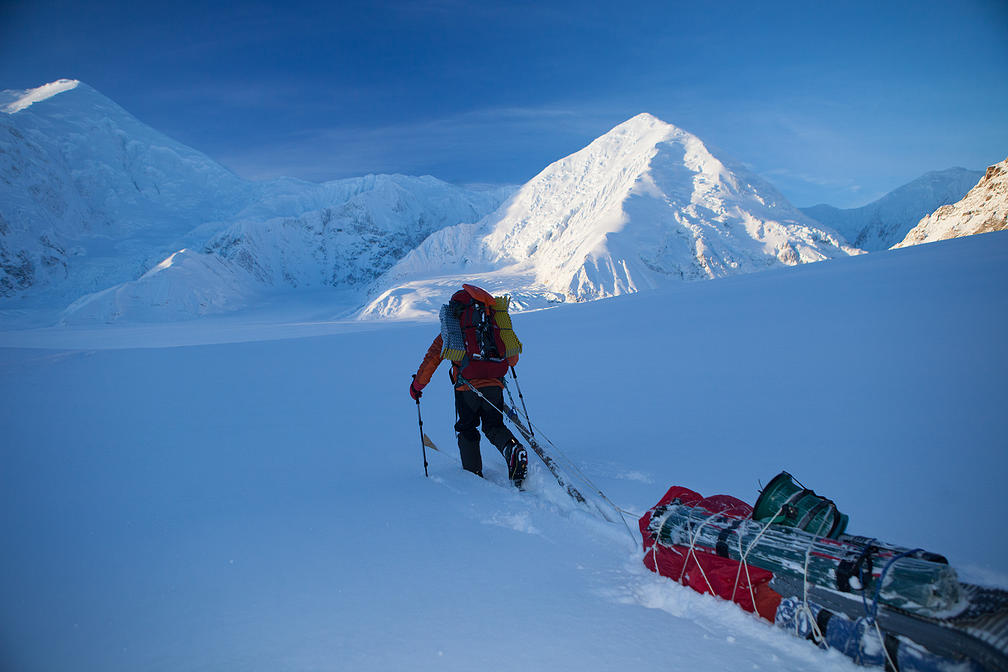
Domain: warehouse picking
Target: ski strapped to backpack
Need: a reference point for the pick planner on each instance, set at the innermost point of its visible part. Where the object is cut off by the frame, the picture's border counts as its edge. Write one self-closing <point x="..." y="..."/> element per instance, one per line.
<point x="477" y="333"/>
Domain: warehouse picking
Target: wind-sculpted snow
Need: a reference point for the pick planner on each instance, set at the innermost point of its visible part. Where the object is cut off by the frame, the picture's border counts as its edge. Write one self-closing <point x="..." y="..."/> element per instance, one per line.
<point x="983" y="209"/>
<point x="885" y="222"/>
<point x="644" y="205"/>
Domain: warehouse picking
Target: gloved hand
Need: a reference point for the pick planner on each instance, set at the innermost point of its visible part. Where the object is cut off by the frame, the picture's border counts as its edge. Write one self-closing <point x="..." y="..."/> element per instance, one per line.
<point x="413" y="391"/>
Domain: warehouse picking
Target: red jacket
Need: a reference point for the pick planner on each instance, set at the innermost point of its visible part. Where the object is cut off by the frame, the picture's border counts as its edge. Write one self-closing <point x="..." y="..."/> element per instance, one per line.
<point x="432" y="360"/>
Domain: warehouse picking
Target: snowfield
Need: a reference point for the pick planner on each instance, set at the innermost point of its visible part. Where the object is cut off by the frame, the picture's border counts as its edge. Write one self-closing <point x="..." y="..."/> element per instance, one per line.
<point x="246" y="492"/>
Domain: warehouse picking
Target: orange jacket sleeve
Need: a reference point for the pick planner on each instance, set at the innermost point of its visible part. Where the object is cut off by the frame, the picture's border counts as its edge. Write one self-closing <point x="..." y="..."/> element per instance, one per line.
<point x="430" y="363"/>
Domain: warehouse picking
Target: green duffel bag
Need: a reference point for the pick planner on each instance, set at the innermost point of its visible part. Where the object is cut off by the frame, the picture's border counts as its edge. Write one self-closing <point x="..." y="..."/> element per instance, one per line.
<point x="784" y="502"/>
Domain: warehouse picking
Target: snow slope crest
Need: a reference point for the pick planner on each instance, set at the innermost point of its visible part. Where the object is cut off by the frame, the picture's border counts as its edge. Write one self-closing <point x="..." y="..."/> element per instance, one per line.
<point x="645" y="204"/>
<point x="23" y="99"/>
<point x="983" y="209"/>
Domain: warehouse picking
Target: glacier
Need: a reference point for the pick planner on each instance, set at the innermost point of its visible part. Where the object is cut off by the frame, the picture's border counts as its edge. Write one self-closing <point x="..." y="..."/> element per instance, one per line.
<point x="247" y="492"/>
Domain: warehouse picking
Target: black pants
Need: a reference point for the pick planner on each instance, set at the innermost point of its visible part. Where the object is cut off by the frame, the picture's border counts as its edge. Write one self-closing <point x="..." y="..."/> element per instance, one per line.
<point x="472" y="410"/>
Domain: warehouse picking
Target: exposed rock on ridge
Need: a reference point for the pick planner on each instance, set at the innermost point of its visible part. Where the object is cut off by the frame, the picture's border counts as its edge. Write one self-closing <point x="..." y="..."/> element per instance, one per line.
<point x="983" y="209"/>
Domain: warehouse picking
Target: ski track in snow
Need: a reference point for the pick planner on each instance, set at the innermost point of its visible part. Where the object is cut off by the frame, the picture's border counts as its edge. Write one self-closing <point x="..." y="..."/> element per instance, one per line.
<point x="241" y="494"/>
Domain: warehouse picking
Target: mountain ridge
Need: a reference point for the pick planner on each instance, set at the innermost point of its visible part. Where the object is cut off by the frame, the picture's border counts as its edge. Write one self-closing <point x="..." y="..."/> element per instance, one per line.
<point x="982" y="210"/>
<point x="101" y="212"/>
<point x="92" y="198"/>
<point x="884" y="222"/>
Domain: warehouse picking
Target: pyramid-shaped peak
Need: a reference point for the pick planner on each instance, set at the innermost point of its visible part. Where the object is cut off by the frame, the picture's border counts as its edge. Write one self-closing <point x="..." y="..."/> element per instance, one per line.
<point x="648" y="124"/>
<point x="642" y="136"/>
<point x="644" y="119"/>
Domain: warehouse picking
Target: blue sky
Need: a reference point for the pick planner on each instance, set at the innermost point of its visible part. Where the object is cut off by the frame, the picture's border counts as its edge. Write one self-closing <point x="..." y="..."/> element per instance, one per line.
<point x="836" y="103"/>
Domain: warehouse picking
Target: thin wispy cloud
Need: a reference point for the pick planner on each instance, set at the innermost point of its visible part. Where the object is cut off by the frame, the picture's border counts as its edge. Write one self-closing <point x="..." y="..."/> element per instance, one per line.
<point x="831" y="103"/>
<point x="441" y="145"/>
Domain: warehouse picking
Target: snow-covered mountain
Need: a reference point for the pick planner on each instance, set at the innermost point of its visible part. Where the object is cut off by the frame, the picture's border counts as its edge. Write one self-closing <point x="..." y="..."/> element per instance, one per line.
<point x="90" y="196"/>
<point x="885" y="222"/>
<point x="345" y="245"/>
<point x="95" y="203"/>
<point x="643" y="205"/>
<point x="983" y="209"/>
<point x="351" y="242"/>
<point x="103" y="213"/>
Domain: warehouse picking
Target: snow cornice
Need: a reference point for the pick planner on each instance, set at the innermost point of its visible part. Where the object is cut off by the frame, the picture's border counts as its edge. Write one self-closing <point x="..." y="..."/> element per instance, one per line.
<point x="25" y="99"/>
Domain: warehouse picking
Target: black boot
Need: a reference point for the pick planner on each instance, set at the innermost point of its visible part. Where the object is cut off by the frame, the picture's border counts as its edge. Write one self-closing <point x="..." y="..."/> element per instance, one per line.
<point x="517" y="461"/>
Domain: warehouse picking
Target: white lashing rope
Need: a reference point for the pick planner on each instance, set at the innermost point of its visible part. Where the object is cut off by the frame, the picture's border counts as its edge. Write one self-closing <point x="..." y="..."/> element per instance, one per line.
<point x="818" y="635"/>
<point x="654" y="546"/>
<point x="885" y="651"/>
<point x="691" y="552"/>
<point x="744" y="555"/>
<point x="816" y="630"/>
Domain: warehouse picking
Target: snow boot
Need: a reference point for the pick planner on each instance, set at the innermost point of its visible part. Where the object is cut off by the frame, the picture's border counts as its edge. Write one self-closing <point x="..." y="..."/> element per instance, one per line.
<point x="517" y="461"/>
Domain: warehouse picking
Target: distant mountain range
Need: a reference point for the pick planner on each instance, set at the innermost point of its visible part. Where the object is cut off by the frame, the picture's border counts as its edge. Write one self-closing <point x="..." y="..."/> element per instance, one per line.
<point x="885" y="222"/>
<point x="94" y="201"/>
<point x="99" y="211"/>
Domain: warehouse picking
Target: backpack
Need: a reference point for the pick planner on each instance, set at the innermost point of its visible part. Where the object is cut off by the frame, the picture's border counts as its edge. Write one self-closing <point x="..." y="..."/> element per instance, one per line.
<point x="476" y="333"/>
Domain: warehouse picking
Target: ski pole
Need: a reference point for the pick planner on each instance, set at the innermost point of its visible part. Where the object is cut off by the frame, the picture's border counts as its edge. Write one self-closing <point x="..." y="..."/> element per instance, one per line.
<point x="423" y="446"/>
<point x="514" y="374"/>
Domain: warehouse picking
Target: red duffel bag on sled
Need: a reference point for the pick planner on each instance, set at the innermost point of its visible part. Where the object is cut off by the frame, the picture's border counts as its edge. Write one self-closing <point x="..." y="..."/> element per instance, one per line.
<point x="706" y="572"/>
